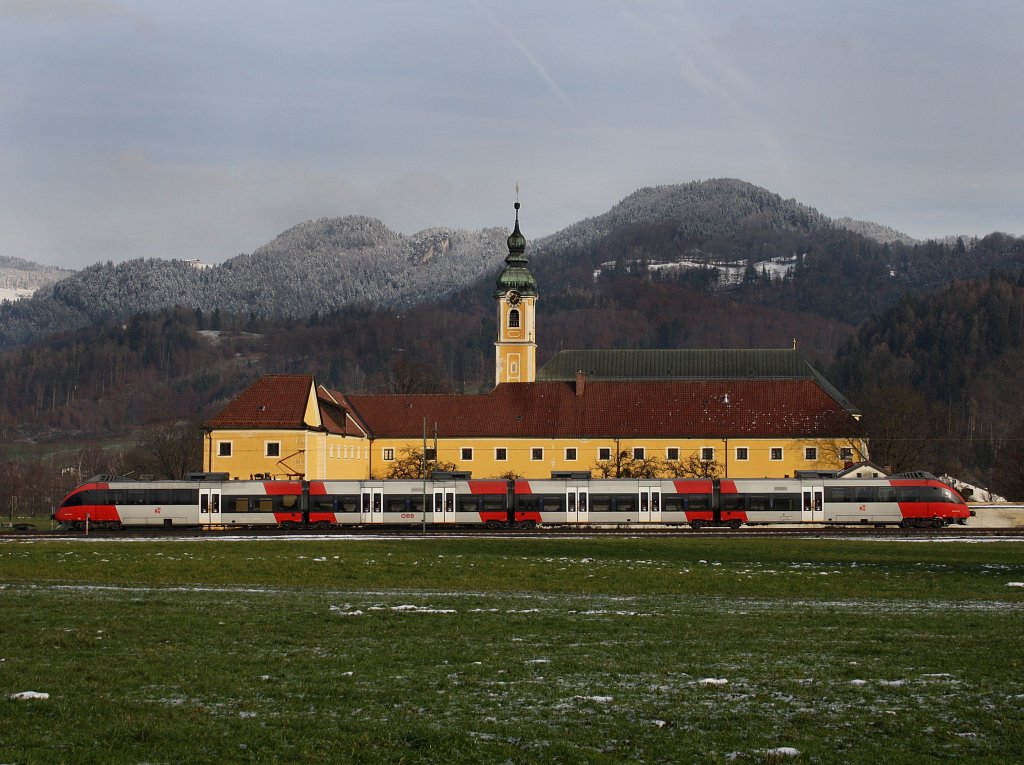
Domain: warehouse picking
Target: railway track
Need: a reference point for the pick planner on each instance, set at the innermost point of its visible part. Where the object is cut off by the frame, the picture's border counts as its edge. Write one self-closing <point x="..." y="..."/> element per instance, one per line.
<point x="379" y="532"/>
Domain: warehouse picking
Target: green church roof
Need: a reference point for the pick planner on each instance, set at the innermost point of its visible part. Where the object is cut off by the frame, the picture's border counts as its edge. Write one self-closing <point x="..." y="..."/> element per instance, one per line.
<point x="689" y="364"/>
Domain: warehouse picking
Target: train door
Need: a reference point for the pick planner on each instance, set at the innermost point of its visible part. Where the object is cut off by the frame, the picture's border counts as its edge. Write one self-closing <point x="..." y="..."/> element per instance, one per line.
<point x="650" y="504"/>
<point x="576" y="504"/>
<point x="209" y="506"/>
<point x="444" y="505"/>
<point x="813" y="504"/>
<point x="373" y="505"/>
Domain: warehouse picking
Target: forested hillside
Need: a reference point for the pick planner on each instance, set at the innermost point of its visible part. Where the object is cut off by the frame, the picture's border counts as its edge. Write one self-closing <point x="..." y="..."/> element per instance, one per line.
<point x="939" y="379"/>
<point x="314" y="267"/>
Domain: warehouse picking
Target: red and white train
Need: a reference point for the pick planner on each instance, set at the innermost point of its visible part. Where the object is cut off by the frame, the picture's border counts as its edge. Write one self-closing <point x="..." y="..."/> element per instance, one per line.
<point x="212" y="501"/>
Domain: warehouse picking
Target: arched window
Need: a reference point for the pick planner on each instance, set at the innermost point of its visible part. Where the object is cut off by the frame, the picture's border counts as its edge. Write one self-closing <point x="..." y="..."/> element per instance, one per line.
<point x="513" y="318"/>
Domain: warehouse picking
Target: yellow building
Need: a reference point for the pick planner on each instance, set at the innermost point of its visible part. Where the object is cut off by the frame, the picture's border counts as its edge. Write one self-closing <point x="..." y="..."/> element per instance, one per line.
<point x="729" y="413"/>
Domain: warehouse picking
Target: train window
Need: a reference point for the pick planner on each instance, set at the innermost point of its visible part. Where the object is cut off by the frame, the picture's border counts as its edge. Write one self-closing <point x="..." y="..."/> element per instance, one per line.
<point x="494" y="503"/>
<point x="886" y="494"/>
<point x="625" y="504"/>
<point x="184" y="496"/>
<point x="839" y="494"/>
<point x="757" y="503"/>
<point x="865" y="494"/>
<point x="673" y="504"/>
<point x="784" y="504"/>
<point x="467" y="503"/>
<point x="321" y="504"/>
<point x="289" y="501"/>
<point x="908" y="493"/>
<point x="600" y="503"/>
<point x="395" y="505"/>
<point x="236" y="504"/>
<point x="698" y="501"/>
<point x="553" y="504"/>
<point x="734" y="502"/>
<point x="265" y="505"/>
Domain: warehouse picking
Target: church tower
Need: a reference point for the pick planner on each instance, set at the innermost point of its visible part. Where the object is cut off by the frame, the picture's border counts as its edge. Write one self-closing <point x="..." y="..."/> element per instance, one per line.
<point x="516" y="296"/>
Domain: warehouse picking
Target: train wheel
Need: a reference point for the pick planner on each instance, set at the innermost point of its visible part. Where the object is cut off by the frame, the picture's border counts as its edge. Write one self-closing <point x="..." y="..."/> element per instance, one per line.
<point x="493" y="525"/>
<point x="323" y="525"/>
<point x="938" y="523"/>
<point x="697" y="524"/>
<point x="529" y="524"/>
<point x="735" y="524"/>
<point x="907" y="523"/>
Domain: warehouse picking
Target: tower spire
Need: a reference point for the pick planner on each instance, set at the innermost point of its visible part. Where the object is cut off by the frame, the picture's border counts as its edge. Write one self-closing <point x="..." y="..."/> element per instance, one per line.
<point x="516" y="297"/>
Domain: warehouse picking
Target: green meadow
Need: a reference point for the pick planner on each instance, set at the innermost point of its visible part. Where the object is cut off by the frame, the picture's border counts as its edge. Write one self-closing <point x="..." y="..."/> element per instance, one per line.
<point x="625" y="650"/>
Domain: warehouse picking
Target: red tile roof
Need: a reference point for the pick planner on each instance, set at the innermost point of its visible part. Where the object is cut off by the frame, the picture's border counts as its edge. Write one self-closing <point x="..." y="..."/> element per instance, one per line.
<point x="273" y="401"/>
<point x="628" y="409"/>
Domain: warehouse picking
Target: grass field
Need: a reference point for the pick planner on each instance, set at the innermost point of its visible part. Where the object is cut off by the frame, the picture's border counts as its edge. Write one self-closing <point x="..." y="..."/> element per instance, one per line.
<point x="512" y="651"/>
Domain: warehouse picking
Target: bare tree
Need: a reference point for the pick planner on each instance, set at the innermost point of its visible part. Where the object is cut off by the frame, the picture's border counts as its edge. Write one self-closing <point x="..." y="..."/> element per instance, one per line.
<point x="694" y="467"/>
<point x="625" y="464"/>
<point x="170" y="450"/>
<point x="410" y="464"/>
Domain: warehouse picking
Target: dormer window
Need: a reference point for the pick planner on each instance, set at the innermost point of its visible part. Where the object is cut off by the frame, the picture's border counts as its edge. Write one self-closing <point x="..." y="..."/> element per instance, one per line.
<point x="513" y="318"/>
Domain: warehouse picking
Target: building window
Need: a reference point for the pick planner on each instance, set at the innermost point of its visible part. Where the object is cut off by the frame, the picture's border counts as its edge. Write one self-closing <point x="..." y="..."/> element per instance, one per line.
<point x="672" y="453"/>
<point x="742" y="454"/>
<point x="430" y="454"/>
<point x="775" y="454"/>
<point x="846" y="453"/>
<point x="810" y="453"/>
<point x="500" y="454"/>
<point x="224" y="449"/>
<point x="536" y="453"/>
<point x="273" y="449"/>
<point x="389" y="455"/>
<point x="638" y="453"/>
<point x="570" y="454"/>
<point x="707" y="454"/>
<point x="513" y="318"/>
<point x="467" y="453"/>
<point x="604" y="453"/>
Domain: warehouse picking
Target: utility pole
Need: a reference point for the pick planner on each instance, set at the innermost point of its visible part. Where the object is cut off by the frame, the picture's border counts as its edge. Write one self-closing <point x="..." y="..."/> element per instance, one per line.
<point x="423" y="471"/>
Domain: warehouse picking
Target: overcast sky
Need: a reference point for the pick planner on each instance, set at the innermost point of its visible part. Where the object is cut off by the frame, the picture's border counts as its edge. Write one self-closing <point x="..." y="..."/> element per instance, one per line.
<point x="173" y="128"/>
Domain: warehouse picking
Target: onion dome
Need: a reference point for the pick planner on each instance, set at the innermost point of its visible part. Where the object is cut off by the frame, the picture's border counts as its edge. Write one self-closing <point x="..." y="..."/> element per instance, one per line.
<point x="516" y="276"/>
